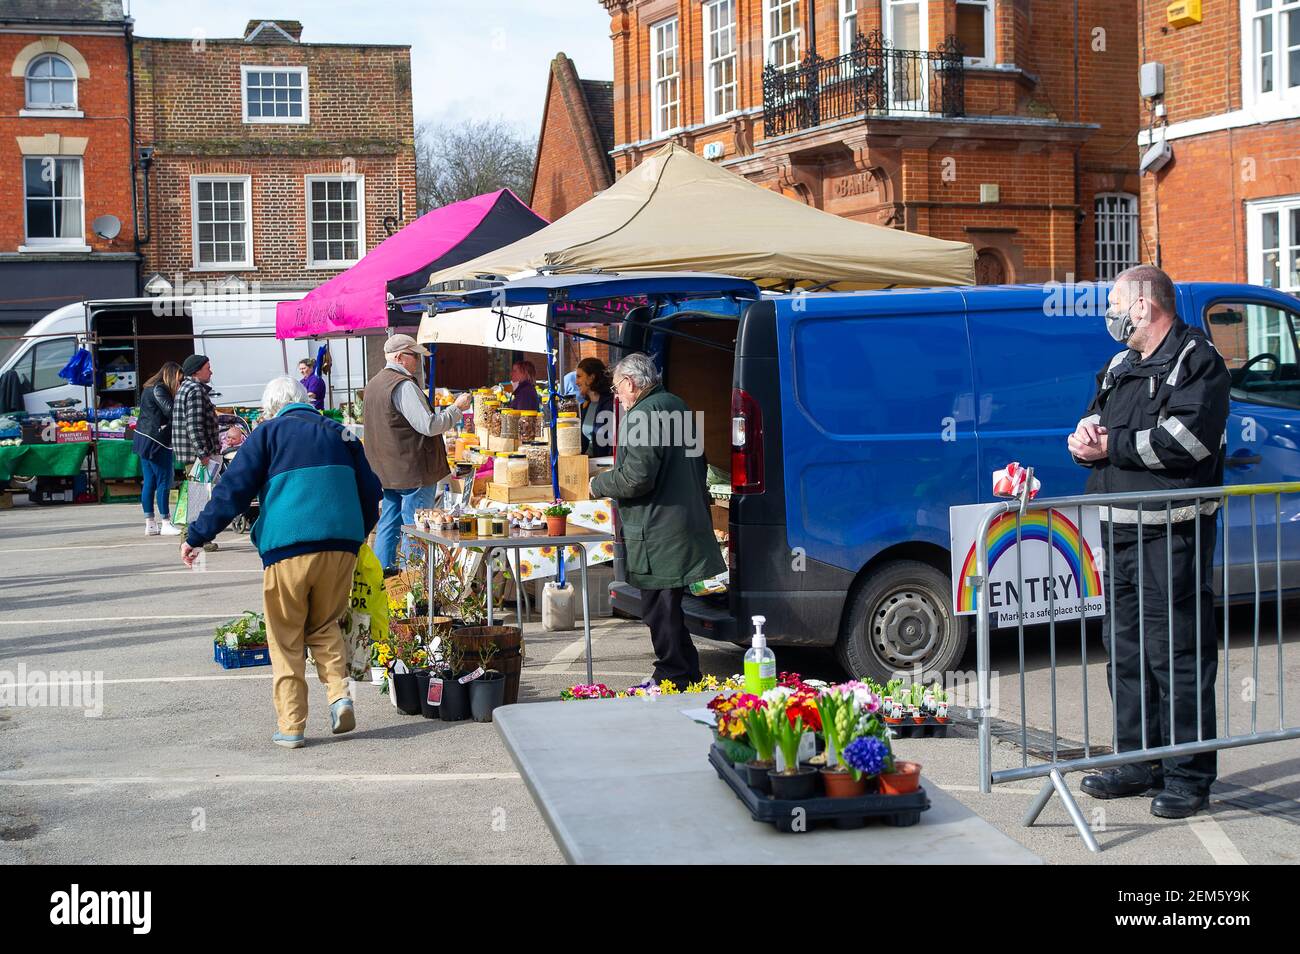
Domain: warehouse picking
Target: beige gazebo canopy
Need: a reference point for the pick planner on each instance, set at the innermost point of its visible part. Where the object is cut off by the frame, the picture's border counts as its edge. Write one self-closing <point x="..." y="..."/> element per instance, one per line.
<point x="679" y="212"/>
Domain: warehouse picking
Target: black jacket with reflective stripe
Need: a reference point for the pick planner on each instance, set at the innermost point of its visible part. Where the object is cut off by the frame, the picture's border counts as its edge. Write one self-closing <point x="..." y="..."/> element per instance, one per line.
<point x="1165" y="419"/>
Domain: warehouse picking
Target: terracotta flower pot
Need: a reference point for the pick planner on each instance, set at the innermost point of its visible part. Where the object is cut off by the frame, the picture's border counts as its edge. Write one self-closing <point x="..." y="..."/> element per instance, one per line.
<point x="904" y="779"/>
<point x="843" y="785"/>
<point x="557" y="526"/>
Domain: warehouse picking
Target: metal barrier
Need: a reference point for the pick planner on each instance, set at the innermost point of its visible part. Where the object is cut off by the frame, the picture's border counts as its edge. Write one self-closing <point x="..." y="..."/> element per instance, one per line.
<point x="1146" y="510"/>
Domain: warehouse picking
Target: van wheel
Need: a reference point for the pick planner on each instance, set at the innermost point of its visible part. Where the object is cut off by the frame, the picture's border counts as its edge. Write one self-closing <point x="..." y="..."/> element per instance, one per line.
<point x="900" y="617"/>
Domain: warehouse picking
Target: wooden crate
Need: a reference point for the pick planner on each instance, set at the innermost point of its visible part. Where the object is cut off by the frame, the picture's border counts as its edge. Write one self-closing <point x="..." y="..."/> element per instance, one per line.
<point x="534" y="493"/>
<point x="575" y="475"/>
<point x="6" y="500"/>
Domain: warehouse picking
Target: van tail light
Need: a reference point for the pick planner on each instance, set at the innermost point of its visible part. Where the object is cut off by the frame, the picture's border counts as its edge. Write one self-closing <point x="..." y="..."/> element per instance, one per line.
<point x="746" y="444"/>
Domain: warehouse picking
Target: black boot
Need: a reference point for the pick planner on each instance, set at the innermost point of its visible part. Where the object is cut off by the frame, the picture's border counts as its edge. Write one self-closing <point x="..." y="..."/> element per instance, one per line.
<point x="1177" y="803"/>
<point x="1123" y="782"/>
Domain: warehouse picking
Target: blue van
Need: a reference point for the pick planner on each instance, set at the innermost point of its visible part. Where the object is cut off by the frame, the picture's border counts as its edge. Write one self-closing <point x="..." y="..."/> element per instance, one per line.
<point x="853" y="421"/>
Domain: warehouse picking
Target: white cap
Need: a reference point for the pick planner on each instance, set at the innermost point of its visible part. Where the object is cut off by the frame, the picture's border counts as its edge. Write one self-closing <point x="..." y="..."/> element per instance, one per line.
<point x="759" y="639"/>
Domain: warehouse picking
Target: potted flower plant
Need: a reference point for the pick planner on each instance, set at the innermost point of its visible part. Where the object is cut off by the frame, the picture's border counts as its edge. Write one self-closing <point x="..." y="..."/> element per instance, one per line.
<point x="752" y="712"/>
<point x="488" y="691"/>
<point x="941" y="702"/>
<point x="729" y="728"/>
<point x="410" y="653"/>
<point x="557" y="519"/>
<point x="794" y="781"/>
<point x="848" y="711"/>
<point x="899" y="777"/>
<point x="454" y="706"/>
<point x="866" y="757"/>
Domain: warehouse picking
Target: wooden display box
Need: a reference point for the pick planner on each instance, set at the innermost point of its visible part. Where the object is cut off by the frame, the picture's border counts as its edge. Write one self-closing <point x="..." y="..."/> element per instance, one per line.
<point x="457" y="485"/>
<point x="533" y="493"/>
<point x="575" y="475"/>
<point x="721" y="512"/>
<point x="507" y="444"/>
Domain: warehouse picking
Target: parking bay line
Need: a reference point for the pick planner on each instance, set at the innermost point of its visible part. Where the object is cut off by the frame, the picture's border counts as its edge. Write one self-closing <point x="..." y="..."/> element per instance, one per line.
<point x="312" y="777"/>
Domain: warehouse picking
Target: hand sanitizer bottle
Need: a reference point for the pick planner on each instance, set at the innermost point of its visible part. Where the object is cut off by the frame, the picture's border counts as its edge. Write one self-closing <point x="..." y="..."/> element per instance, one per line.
<point x="760" y="662"/>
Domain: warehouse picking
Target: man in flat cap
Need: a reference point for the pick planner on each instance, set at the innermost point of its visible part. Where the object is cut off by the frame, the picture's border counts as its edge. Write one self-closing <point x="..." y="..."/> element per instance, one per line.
<point x="403" y="441"/>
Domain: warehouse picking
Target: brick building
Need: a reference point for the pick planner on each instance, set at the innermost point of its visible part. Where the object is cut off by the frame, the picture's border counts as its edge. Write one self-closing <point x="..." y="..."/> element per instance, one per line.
<point x="575" y="142"/>
<point x="1002" y="123"/>
<point x="65" y="159"/>
<point x="1227" y="207"/>
<point x="271" y="160"/>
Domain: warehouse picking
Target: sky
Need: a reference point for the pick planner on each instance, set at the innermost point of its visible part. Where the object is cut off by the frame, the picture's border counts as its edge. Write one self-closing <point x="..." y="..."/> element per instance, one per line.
<point x="474" y="59"/>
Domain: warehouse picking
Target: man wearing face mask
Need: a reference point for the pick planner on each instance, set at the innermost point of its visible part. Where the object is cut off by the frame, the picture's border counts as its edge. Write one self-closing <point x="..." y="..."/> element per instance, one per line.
<point x="1157" y="424"/>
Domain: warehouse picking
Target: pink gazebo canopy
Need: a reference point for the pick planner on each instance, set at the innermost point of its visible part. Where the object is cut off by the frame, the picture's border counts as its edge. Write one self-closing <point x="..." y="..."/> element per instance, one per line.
<point x="357" y="300"/>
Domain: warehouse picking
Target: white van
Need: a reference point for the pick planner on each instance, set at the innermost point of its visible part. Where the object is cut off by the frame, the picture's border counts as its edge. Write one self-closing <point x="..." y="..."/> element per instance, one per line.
<point x="134" y="336"/>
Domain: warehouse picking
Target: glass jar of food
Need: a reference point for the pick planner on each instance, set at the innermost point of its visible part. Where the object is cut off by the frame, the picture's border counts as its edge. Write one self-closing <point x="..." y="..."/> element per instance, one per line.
<point x="500" y="526"/>
<point x="568" y="437"/>
<point x="481" y="398"/>
<point x="517" y="470"/>
<point x="510" y="424"/>
<point x="485" y="524"/>
<point x="530" y="422"/>
<point x="494" y="419"/>
<point x="467" y="523"/>
<point x="539" y="462"/>
<point x="501" y="470"/>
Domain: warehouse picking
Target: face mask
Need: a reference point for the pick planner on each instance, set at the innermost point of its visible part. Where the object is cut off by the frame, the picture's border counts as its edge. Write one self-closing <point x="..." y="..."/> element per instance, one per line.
<point x="1119" y="323"/>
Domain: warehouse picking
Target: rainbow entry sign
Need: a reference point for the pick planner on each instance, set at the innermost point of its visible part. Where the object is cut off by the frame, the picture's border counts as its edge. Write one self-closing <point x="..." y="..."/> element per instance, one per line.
<point x="1055" y="571"/>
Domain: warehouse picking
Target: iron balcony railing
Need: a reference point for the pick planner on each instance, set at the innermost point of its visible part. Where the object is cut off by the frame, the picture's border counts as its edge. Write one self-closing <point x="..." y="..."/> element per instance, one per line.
<point x="872" y="78"/>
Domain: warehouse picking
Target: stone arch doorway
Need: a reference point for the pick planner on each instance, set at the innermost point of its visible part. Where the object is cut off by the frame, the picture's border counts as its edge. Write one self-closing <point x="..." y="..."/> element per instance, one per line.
<point x="990" y="268"/>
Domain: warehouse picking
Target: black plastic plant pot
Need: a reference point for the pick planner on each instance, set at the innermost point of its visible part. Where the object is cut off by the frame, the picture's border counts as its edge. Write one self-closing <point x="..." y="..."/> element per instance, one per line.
<point x="790" y="787"/>
<point x="455" y="699"/>
<point x="486" y="693"/>
<point x="756" y="776"/>
<point x="406" y="691"/>
<point x="422" y="680"/>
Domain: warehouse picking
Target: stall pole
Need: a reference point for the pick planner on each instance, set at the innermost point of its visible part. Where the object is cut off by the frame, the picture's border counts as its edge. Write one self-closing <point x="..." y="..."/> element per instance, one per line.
<point x="284" y="354"/>
<point x="554" y="404"/>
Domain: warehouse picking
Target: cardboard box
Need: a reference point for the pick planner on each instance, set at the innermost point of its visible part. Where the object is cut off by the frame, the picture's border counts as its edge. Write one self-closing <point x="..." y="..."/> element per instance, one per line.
<point x="575" y="475"/>
<point x="6" y="500"/>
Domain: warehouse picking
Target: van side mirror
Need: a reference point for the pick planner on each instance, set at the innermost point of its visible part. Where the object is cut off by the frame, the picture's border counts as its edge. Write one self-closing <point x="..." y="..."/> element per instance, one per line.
<point x="1227" y="316"/>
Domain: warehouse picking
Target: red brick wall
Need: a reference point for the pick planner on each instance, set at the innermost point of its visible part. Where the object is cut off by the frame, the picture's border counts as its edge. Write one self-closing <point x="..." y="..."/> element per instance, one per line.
<point x="562" y="180"/>
<point x="189" y="107"/>
<point x="106" y="165"/>
<point x="1202" y="194"/>
<point x="1055" y="237"/>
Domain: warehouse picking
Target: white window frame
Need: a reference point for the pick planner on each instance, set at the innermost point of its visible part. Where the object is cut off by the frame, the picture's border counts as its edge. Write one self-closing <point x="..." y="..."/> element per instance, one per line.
<point x="923" y="43"/>
<point x="659" y="83"/>
<point x="360" y="180"/>
<point x="989" y="54"/>
<point x="76" y="243"/>
<point x="709" y="27"/>
<point x="247" y="264"/>
<point x="1126" y="217"/>
<point x="770" y="39"/>
<point x="48" y="108"/>
<point x="302" y="120"/>
<point x="1286" y="208"/>
<point x="1276" y="18"/>
<point x="848" y="15"/>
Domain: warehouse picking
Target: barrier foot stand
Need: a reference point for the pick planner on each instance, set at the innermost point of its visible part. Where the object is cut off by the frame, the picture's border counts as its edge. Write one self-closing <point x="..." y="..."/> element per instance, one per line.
<point x="1055" y="782"/>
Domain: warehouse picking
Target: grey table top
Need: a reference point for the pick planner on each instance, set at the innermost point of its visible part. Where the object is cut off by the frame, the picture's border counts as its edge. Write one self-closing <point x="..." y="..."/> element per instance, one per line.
<point x="517" y="539"/>
<point x="627" y="781"/>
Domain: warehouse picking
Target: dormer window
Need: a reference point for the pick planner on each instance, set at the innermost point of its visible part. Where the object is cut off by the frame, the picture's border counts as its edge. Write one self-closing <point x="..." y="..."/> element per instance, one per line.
<point x="51" y="83"/>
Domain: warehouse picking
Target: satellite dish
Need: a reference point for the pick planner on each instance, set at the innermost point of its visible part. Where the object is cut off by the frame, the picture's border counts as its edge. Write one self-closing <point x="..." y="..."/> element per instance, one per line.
<point x="106" y="226"/>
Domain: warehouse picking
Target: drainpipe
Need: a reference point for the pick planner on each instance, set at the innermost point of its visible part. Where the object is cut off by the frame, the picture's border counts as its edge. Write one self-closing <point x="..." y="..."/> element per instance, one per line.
<point x="130" y="119"/>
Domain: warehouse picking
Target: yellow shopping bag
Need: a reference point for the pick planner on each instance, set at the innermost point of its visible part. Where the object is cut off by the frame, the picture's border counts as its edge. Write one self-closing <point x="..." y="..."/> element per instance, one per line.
<point x="366" y="620"/>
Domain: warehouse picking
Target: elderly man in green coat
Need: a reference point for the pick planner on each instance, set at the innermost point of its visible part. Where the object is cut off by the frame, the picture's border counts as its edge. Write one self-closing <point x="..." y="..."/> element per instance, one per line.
<point x="658" y="482"/>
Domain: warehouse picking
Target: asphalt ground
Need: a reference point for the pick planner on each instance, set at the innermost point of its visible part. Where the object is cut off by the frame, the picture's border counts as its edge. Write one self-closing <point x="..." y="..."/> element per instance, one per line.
<point x="179" y="767"/>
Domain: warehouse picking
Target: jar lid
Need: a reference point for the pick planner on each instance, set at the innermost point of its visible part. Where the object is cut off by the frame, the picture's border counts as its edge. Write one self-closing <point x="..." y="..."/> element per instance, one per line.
<point x="518" y="456"/>
<point x="510" y="410"/>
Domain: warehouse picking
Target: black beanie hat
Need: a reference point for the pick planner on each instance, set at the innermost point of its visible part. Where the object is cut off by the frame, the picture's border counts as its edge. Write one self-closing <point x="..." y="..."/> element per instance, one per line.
<point x="193" y="363"/>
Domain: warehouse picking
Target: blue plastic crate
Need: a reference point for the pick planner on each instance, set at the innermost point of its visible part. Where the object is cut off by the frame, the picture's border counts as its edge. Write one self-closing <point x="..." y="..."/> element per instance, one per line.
<point x="239" y="658"/>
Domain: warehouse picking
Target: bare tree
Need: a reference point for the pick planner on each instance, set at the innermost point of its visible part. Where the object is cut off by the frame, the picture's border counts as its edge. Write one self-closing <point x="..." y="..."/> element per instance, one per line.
<point x="455" y="161"/>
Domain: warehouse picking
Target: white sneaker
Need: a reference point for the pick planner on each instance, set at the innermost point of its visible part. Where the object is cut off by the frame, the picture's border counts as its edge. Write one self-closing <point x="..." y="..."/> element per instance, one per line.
<point x="168" y="529"/>
<point x="151" y="528"/>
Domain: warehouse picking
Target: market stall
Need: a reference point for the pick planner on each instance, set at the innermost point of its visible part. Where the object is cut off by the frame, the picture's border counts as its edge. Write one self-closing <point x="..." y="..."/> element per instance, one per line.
<point x="679" y="212"/>
<point x="359" y="300"/>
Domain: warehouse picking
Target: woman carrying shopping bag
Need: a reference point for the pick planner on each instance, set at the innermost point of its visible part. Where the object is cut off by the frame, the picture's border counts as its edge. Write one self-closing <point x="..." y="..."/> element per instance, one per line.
<point x="153" y="444"/>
